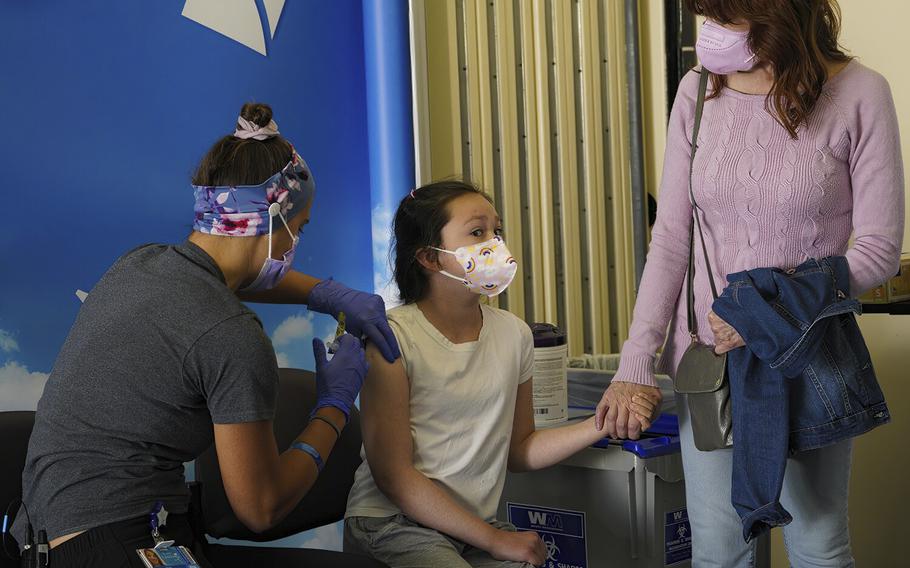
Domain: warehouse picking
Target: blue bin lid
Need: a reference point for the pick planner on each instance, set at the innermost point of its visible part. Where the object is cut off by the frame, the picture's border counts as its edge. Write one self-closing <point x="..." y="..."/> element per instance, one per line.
<point x="666" y="424"/>
<point x="661" y="439"/>
<point x="653" y="447"/>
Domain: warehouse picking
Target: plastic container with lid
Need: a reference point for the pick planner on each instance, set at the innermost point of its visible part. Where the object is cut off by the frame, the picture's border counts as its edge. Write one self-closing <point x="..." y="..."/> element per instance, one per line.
<point x="550" y="384"/>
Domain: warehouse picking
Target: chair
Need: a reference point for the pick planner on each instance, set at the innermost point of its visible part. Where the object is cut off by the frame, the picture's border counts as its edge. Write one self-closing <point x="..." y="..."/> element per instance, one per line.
<point x="16" y="429"/>
<point x="324" y="504"/>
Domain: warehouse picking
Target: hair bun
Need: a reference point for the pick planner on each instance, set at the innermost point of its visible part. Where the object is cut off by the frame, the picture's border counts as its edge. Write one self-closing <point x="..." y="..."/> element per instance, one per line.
<point x="258" y="113"/>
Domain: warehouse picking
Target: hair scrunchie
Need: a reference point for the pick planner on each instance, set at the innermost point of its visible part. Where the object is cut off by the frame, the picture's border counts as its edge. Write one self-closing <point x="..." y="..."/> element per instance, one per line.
<point x="248" y="129"/>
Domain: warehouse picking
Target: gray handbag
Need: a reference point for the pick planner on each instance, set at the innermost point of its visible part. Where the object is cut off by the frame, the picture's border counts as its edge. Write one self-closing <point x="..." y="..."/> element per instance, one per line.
<point x="702" y="374"/>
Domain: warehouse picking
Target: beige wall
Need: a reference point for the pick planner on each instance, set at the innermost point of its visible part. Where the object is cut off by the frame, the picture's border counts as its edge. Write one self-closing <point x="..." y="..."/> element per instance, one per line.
<point x="876" y="33"/>
<point x="880" y="488"/>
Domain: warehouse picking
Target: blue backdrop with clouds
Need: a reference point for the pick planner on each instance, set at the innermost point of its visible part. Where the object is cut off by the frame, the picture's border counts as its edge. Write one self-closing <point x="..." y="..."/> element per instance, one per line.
<point x="108" y="106"/>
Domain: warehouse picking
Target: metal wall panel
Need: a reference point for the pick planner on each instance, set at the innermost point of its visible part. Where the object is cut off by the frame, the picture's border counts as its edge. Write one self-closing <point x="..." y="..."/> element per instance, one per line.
<point x="541" y="87"/>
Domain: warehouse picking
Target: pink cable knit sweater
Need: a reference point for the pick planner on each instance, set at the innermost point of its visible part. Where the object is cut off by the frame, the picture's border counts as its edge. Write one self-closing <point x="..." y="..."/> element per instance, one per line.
<point x="769" y="200"/>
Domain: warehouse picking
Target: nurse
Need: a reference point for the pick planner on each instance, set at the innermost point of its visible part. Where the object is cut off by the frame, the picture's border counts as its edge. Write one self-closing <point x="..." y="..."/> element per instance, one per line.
<point x="164" y="358"/>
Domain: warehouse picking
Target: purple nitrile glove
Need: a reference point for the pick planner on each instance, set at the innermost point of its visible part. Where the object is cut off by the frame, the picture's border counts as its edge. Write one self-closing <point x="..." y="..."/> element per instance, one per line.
<point x="338" y="381"/>
<point x="365" y="314"/>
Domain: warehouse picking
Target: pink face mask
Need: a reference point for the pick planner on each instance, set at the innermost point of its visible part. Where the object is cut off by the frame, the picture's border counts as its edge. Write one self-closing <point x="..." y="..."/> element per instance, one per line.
<point x="723" y="51"/>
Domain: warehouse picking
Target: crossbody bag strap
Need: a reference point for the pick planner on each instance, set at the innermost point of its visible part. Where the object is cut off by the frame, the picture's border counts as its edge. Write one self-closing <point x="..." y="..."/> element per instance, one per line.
<point x="690" y="280"/>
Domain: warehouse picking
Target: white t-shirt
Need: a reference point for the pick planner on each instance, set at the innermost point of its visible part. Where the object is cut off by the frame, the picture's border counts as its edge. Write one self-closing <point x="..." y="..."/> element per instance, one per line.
<point x="462" y="406"/>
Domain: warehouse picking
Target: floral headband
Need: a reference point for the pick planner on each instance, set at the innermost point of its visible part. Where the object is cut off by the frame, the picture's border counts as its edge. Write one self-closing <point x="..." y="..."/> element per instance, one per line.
<point x="243" y="210"/>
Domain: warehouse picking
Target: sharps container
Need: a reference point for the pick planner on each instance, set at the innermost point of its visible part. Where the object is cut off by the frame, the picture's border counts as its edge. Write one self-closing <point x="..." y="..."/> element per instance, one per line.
<point x="617" y="503"/>
<point x="550" y="384"/>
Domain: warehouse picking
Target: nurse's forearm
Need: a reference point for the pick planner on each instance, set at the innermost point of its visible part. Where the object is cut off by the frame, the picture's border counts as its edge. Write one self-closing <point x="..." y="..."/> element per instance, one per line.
<point x="262" y="484"/>
<point x="543" y="448"/>
<point x="294" y="288"/>
<point x="297" y="471"/>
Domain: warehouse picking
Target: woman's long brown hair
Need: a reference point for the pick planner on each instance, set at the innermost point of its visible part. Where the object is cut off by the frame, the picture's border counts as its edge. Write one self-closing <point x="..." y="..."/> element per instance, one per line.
<point x="797" y="37"/>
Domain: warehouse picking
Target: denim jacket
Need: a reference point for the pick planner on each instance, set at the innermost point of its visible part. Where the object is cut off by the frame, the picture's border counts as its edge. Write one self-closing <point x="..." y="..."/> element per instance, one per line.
<point x="804" y="380"/>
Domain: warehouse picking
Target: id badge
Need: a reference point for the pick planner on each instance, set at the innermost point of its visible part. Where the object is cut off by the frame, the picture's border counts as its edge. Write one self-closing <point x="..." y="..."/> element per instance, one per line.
<point x="178" y="556"/>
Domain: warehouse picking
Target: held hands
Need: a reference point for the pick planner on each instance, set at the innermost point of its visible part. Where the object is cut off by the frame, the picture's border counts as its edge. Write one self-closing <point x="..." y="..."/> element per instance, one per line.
<point x="512" y="546"/>
<point x="365" y="314"/>
<point x="338" y="381"/>
<point x="627" y="409"/>
<point x="725" y="337"/>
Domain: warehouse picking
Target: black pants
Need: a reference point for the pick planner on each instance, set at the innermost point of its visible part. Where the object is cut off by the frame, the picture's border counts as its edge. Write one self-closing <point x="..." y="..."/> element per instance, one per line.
<point x="114" y="545"/>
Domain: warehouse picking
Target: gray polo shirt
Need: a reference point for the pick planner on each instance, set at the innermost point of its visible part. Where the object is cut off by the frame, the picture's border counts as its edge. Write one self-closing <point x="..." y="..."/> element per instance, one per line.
<point x="160" y="351"/>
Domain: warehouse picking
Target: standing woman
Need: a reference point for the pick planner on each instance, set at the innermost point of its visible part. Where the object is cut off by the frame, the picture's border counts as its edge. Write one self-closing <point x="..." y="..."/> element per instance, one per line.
<point x="164" y="359"/>
<point x="798" y="150"/>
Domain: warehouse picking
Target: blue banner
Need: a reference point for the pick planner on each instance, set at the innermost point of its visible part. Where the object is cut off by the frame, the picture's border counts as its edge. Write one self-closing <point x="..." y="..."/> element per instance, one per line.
<point x="391" y="134"/>
<point x="108" y="108"/>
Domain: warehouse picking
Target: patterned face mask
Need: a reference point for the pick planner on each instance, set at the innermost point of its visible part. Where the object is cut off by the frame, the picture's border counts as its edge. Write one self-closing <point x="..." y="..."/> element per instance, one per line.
<point x="489" y="267"/>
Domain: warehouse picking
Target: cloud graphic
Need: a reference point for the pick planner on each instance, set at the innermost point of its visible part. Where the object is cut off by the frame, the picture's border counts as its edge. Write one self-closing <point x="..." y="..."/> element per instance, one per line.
<point x="20" y="389"/>
<point x="8" y="343"/>
<point x="327" y="537"/>
<point x="293" y="330"/>
<point x="294" y="336"/>
<point x="383" y="282"/>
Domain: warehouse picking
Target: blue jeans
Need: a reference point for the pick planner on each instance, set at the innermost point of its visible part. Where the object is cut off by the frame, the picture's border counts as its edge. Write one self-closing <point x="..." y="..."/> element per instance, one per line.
<point x="815" y="491"/>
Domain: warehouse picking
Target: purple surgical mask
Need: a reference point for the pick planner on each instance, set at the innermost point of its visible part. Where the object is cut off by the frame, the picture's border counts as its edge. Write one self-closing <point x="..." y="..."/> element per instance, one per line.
<point x="723" y="51"/>
<point x="272" y="270"/>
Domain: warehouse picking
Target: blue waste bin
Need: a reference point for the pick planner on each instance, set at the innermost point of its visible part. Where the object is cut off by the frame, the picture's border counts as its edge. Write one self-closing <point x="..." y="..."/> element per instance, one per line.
<point x="616" y="504"/>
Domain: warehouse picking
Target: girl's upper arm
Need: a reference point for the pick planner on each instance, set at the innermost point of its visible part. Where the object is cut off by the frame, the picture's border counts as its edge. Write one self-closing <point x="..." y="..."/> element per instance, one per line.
<point x="385" y="417"/>
<point x="523" y="422"/>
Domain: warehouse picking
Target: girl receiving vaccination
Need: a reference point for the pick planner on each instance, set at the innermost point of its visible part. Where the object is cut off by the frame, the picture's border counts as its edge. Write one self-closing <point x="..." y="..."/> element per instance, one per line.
<point x="442" y="424"/>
